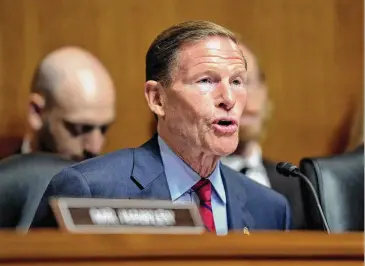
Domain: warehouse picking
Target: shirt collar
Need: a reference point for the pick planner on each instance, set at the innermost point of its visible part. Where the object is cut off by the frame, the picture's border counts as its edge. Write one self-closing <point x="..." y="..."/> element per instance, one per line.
<point x="255" y="159"/>
<point x="25" y="148"/>
<point x="181" y="178"/>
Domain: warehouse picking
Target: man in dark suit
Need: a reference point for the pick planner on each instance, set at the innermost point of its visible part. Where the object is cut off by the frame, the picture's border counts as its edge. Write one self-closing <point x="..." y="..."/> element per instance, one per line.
<point x="248" y="157"/>
<point x="196" y="87"/>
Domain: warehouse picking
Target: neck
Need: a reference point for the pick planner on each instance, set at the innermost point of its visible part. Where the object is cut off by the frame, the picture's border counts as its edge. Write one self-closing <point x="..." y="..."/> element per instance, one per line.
<point x="246" y="149"/>
<point x="202" y="163"/>
<point x="28" y="143"/>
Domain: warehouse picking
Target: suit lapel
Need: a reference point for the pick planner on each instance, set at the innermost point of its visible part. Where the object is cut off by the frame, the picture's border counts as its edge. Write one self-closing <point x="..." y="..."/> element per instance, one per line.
<point x="238" y="215"/>
<point x="148" y="179"/>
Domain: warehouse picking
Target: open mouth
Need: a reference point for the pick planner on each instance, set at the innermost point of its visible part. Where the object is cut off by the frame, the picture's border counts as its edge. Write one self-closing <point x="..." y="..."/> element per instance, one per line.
<point x="225" y="125"/>
<point x="224" y="122"/>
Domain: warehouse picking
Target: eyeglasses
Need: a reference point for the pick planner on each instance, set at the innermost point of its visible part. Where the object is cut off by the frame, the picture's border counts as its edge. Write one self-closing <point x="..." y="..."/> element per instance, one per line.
<point x="77" y="129"/>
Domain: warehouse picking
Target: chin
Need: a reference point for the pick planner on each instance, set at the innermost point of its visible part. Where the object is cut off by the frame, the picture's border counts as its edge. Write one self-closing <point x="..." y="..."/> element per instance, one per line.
<point x="224" y="146"/>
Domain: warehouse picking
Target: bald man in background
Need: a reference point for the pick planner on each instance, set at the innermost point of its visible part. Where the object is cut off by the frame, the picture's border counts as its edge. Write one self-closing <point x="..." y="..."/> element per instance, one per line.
<point x="71" y="105"/>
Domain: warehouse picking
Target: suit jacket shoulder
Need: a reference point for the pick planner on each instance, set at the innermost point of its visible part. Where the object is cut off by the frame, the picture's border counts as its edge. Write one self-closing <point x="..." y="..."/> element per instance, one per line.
<point x="124" y="174"/>
<point x="91" y="178"/>
<point x="96" y="177"/>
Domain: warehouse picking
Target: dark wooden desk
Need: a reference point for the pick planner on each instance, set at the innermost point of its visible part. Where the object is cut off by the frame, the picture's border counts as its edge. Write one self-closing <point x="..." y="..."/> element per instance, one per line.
<point x="294" y="248"/>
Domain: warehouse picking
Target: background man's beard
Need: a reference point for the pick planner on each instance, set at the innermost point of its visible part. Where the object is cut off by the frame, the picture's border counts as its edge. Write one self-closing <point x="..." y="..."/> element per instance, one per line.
<point x="46" y="142"/>
<point x="89" y="155"/>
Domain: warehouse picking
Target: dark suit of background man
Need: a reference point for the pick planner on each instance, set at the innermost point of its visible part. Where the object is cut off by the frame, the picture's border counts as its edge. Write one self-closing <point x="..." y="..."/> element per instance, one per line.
<point x="71" y="105"/>
<point x="196" y="86"/>
<point x="248" y="157"/>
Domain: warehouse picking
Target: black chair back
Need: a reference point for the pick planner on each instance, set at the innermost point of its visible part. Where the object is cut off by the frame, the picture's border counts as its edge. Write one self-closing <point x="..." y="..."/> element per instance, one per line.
<point x="23" y="180"/>
<point x="339" y="182"/>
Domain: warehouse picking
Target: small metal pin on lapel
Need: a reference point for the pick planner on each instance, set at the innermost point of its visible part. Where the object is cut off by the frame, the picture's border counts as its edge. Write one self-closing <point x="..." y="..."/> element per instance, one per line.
<point x="245" y="231"/>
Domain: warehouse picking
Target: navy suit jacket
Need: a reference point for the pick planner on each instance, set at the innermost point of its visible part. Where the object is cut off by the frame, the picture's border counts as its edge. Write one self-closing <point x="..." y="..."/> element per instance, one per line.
<point x="139" y="174"/>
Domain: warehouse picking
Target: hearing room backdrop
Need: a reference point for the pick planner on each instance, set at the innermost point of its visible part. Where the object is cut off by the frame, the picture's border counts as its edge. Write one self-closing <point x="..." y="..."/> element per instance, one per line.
<point x="311" y="50"/>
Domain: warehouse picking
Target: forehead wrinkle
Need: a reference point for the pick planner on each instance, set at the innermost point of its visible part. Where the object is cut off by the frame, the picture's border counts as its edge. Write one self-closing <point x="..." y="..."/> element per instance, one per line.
<point x="228" y="58"/>
<point x="209" y="48"/>
<point x="217" y="59"/>
<point x="216" y="65"/>
<point x="218" y="54"/>
<point x="235" y="62"/>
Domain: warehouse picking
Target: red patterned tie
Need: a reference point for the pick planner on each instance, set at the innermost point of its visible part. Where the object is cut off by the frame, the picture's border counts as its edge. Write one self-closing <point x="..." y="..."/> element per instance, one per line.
<point x="204" y="191"/>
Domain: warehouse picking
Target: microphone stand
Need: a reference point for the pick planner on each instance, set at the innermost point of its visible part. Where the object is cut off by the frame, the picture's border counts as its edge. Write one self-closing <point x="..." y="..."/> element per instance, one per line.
<point x="321" y="213"/>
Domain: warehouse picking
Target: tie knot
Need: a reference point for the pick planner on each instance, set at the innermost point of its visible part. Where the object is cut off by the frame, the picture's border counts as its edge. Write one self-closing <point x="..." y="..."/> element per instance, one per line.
<point x="203" y="189"/>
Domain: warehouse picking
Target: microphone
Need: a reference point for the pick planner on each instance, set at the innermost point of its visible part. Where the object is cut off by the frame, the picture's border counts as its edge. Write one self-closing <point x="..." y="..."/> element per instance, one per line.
<point x="290" y="170"/>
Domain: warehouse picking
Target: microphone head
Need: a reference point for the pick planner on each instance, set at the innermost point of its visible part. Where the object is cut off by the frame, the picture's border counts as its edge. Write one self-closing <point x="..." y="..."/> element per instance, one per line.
<point x="287" y="169"/>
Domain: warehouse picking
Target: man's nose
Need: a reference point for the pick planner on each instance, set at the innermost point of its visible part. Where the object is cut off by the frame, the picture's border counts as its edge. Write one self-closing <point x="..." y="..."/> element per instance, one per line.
<point x="225" y="98"/>
<point x="94" y="142"/>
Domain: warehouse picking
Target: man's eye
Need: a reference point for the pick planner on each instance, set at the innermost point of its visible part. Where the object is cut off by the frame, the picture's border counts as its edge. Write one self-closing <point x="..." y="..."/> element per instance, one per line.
<point x="236" y="82"/>
<point x="81" y="129"/>
<point x="74" y="129"/>
<point x="205" y="80"/>
<point x="104" y="129"/>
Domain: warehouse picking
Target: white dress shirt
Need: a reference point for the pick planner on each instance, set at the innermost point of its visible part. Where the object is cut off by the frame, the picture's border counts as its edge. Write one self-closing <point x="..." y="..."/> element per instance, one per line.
<point x="25" y="148"/>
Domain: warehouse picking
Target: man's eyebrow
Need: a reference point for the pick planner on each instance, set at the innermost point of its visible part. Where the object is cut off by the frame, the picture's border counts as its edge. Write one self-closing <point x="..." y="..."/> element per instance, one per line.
<point x="239" y="69"/>
<point x="207" y="72"/>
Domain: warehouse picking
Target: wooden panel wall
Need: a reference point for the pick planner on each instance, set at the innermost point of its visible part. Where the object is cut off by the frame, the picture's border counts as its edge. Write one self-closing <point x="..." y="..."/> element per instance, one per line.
<point x="312" y="51"/>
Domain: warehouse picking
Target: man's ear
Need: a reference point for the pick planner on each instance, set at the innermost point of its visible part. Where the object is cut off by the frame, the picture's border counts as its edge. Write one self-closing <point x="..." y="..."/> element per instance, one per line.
<point x="155" y="96"/>
<point x="35" y="111"/>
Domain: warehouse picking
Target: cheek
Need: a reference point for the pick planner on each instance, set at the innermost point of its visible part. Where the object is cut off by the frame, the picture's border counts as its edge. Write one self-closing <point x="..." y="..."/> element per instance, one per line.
<point x="64" y="138"/>
<point x="188" y="106"/>
<point x="205" y="88"/>
<point x="56" y="126"/>
<point x="202" y="110"/>
<point x="61" y="132"/>
<point x="55" y="129"/>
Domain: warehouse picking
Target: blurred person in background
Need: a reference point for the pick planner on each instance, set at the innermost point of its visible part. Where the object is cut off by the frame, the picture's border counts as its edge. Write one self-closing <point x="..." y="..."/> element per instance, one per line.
<point x="248" y="158"/>
<point x="71" y="105"/>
